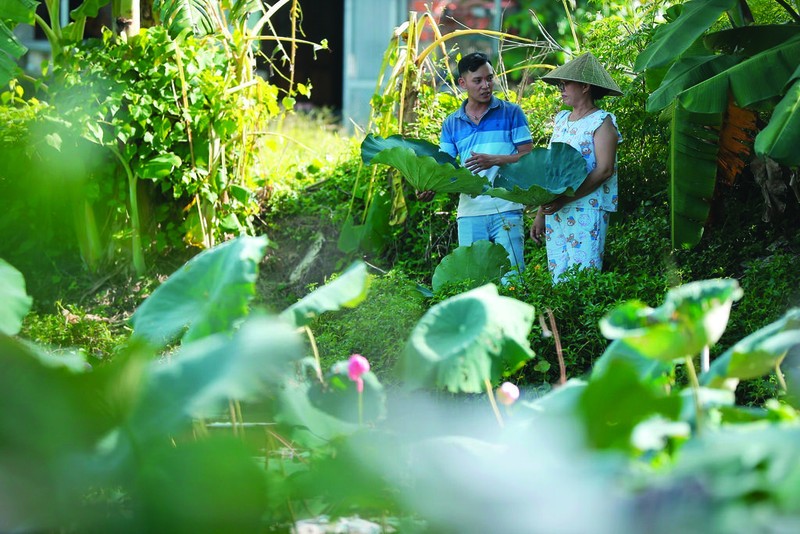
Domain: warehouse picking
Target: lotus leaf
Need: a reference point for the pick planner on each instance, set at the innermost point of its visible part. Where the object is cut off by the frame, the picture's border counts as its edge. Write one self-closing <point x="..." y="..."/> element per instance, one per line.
<point x="346" y="291"/>
<point x="209" y="294"/>
<point x="424" y="166"/>
<point x="541" y="175"/>
<point x="757" y="354"/>
<point x="481" y="263"/>
<point x="468" y="339"/>
<point x="16" y="302"/>
<point x="616" y="401"/>
<point x="692" y="317"/>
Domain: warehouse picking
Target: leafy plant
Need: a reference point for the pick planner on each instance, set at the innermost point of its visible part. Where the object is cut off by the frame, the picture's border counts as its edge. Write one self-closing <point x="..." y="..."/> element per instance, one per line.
<point x="706" y="82"/>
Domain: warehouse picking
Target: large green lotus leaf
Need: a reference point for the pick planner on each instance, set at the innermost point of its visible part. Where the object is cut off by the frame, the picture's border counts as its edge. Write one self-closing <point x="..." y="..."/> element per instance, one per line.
<point x="16" y="303"/>
<point x="468" y="339"/>
<point x="615" y="402"/>
<point x="424" y="166"/>
<point x="646" y="368"/>
<point x="676" y="37"/>
<point x="66" y="413"/>
<point x="209" y="294"/>
<point x="685" y="73"/>
<point x="540" y="176"/>
<point x="757" y="354"/>
<point x="480" y="263"/>
<point x="339" y="396"/>
<point x="202" y="376"/>
<point x="692" y="317"/>
<point x="781" y="136"/>
<point x="347" y="290"/>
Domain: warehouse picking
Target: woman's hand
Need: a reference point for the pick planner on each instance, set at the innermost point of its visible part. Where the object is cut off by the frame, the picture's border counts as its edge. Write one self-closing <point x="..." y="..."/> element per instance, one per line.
<point x="553" y="206"/>
<point x="537" y="228"/>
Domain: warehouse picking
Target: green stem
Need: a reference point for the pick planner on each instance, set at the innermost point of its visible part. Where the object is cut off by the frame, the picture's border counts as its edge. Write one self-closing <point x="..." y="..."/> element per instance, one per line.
<point x="779" y="374"/>
<point x="136" y="238"/>
<point x="315" y="351"/>
<point x="360" y="408"/>
<point x="490" y="393"/>
<point x="695" y="393"/>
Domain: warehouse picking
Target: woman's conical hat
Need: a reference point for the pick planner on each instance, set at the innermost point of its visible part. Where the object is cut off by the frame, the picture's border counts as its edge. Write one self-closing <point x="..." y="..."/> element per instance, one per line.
<point x="584" y="69"/>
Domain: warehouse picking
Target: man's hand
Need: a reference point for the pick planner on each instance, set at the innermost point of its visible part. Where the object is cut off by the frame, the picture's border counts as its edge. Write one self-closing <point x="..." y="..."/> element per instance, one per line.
<point x="425" y="196"/>
<point x="477" y="162"/>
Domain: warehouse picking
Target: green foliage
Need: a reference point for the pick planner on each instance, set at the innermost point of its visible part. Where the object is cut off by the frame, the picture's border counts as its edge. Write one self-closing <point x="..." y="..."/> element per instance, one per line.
<point x="378" y="328"/>
<point x="578" y="303"/>
<point x="131" y="421"/>
<point x="72" y="328"/>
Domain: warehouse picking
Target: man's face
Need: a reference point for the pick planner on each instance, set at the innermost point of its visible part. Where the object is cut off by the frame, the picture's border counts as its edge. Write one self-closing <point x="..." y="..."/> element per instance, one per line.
<point x="479" y="83"/>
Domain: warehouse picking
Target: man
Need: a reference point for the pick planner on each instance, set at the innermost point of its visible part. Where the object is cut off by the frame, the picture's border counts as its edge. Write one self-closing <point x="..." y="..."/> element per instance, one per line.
<point x="484" y="133"/>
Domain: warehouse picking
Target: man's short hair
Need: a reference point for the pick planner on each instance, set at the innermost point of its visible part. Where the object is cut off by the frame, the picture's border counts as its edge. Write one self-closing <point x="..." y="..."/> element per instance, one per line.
<point x="472" y="62"/>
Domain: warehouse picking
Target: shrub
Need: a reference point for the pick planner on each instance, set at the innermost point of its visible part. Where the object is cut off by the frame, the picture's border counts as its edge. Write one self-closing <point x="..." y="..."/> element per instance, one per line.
<point x="73" y="329"/>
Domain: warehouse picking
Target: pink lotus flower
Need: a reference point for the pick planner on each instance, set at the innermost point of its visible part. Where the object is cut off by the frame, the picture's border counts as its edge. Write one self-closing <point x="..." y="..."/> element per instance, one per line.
<point x="508" y="393"/>
<point x="357" y="365"/>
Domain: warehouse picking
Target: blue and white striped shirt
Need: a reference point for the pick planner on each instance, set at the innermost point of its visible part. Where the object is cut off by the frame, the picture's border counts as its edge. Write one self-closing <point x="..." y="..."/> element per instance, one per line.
<point x="500" y="131"/>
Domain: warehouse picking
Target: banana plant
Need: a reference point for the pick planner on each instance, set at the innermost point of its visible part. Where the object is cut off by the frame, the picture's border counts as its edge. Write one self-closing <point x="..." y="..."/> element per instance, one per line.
<point x="710" y="77"/>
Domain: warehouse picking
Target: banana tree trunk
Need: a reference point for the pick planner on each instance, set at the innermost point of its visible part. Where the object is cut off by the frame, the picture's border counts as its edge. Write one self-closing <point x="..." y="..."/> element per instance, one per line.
<point x="127" y="17"/>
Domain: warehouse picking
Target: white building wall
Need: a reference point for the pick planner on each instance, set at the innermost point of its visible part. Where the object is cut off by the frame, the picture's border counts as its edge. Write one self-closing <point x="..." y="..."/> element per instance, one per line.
<point x="368" y="29"/>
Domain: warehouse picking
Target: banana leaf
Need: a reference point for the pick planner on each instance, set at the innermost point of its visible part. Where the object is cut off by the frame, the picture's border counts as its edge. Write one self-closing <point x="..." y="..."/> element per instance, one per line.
<point x="746" y="41"/>
<point x="685" y="73"/>
<point x="694" y="144"/>
<point x="753" y="82"/>
<point x="424" y="166"/>
<point x="676" y="37"/>
<point x="780" y="138"/>
<point x="540" y="176"/>
<point x="199" y="16"/>
<point x="11" y="49"/>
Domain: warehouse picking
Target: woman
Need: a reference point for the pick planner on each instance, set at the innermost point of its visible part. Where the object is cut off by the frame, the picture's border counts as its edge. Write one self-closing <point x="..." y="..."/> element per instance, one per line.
<point x="574" y="227"/>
